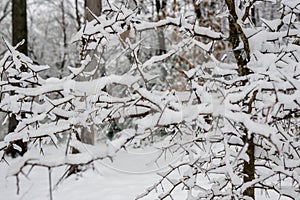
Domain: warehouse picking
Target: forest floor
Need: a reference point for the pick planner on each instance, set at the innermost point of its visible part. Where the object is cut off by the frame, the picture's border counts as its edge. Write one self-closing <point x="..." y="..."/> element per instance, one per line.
<point x="128" y="176"/>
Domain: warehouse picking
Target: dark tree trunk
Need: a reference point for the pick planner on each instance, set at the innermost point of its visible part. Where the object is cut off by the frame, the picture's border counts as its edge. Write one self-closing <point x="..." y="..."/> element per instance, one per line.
<point x="19" y="32"/>
<point x="64" y="32"/>
<point x="249" y="167"/>
<point x="253" y="15"/>
<point x="19" y="24"/>
<point x="197" y="10"/>
<point x="95" y="6"/>
<point x="161" y="14"/>
<point x="236" y="35"/>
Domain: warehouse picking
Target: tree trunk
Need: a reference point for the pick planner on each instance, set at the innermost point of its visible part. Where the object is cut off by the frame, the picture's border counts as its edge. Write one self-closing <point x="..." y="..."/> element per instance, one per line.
<point x="19" y="32"/>
<point x="19" y="24"/>
<point x="64" y="32"/>
<point x="197" y="10"/>
<point x="236" y="35"/>
<point x="161" y="14"/>
<point x="253" y="16"/>
<point x="249" y="167"/>
<point x="95" y="6"/>
<point x="77" y="15"/>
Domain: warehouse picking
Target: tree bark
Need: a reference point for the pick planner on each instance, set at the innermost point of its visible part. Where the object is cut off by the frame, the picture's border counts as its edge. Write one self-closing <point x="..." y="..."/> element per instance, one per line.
<point x="197" y="10"/>
<point x="253" y="15"/>
<point x="19" y="32"/>
<point x="236" y="34"/>
<point x="64" y="32"/>
<point x="161" y="14"/>
<point x="249" y="167"/>
<point x="19" y="24"/>
<point x="242" y="56"/>
<point x="95" y="6"/>
<point x="77" y="15"/>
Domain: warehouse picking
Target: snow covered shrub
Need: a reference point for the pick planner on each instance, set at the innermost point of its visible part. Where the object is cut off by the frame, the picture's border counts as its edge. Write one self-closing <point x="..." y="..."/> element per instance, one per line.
<point x="235" y="123"/>
<point x="251" y="141"/>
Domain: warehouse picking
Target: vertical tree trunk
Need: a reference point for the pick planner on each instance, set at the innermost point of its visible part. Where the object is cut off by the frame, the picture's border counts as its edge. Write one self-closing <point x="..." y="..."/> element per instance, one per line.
<point x="64" y="31"/>
<point x="249" y="167"/>
<point x="19" y="32"/>
<point x="19" y="24"/>
<point x="253" y="15"/>
<point x="95" y="6"/>
<point x="77" y="15"/>
<point x="161" y="14"/>
<point x="236" y="35"/>
<point x="197" y="10"/>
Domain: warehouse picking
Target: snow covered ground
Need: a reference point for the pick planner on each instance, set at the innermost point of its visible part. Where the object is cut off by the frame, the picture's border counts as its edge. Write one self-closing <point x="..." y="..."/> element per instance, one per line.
<point x="127" y="177"/>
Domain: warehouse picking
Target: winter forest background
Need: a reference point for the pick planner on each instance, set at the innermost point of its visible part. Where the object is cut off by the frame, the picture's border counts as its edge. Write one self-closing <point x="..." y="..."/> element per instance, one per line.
<point x="154" y="99"/>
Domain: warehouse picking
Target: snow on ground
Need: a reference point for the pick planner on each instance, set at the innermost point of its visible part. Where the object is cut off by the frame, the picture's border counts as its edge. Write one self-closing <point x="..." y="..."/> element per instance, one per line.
<point x="128" y="176"/>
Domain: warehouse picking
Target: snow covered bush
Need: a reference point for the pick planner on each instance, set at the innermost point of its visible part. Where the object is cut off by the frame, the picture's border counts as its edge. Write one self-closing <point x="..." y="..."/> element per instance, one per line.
<point x="235" y="123"/>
